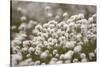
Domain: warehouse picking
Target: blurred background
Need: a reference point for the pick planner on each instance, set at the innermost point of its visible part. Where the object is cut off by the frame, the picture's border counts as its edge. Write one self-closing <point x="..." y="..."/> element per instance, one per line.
<point x="36" y="10"/>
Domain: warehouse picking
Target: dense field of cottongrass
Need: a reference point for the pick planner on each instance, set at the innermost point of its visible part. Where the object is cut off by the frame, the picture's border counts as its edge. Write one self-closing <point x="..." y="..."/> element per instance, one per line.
<point x="62" y="39"/>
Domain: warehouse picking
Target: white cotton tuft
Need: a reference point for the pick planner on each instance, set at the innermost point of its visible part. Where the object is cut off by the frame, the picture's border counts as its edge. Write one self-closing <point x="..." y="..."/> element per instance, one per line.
<point x="23" y="18"/>
<point x="67" y="61"/>
<point x="55" y="52"/>
<point x="26" y="43"/>
<point x="62" y="56"/>
<point x="59" y="62"/>
<point x="82" y="55"/>
<point x="78" y="48"/>
<point x="84" y="60"/>
<point x="47" y="8"/>
<point x="43" y="63"/>
<point x="91" y="55"/>
<point x="70" y="45"/>
<point x="75" y="60"/>
<point x="19" y="9"/>
<point x="80" y="16"/>
<point x="17" y="57"/>
<point x="16" y="42"/>
<point x="57" y="55"/>
<point x="24" y="50"/>
<point x="53" y="60"/>
<point x="29" y="60"/>
<point x="68" y="55"/>
<point x="37" y="62"/>
<point x="31" y="49"/>
<point x="65" y="14"/>
<point x="44" y="55"/>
